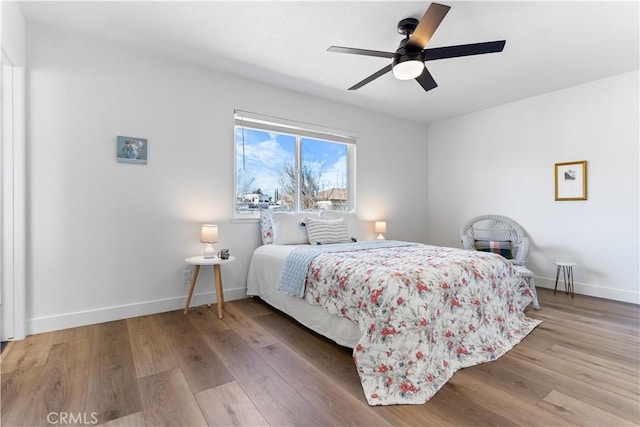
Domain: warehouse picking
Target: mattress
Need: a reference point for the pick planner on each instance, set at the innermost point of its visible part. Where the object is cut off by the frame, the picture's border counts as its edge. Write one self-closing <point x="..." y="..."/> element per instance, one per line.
<point x="262" y="280"/>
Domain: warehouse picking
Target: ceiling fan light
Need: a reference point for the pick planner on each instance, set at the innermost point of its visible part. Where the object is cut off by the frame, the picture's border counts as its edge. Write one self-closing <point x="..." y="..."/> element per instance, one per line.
<point x="408" y="70"/>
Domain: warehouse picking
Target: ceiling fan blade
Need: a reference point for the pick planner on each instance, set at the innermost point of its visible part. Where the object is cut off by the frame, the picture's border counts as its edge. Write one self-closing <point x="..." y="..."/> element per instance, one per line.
<point x="426" y="80"/>
<point x="428" y="25"/>
<point x="364" y="52"/>
<point x="372" y="77"/>
<point x="462" y="50"/>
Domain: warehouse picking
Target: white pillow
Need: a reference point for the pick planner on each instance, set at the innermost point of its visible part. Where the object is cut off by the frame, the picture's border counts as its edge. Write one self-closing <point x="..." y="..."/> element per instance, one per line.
<point x="327" y="231"/>
<point x="287" y="229"/>
<point x="354" y="225"/>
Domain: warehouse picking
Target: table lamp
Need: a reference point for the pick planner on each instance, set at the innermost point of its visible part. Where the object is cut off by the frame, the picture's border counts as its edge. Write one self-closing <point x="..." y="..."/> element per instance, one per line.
<point x="209" y="235"/>
<point x="380" y="227"/>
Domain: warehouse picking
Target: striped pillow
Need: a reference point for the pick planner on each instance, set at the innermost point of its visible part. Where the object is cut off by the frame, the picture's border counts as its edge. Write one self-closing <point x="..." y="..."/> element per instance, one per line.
<point x="326" y="231"/>
<point x="501" y="247"/>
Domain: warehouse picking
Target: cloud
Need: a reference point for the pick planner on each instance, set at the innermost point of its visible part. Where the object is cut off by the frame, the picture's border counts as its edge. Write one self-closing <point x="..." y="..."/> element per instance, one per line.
<point x="264" y="154"/>
<point x="335" y="174"/>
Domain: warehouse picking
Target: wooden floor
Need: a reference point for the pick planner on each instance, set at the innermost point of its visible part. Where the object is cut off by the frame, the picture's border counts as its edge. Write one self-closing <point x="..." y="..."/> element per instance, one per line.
<point x="259" y="367"/>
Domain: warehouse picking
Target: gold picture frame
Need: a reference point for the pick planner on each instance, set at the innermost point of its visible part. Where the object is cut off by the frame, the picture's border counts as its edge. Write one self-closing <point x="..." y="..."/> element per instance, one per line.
<point x="571" y="181"/>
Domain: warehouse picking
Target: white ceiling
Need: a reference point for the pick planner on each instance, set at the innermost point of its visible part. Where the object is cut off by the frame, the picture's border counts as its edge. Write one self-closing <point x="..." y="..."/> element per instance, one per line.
<point x="550" y="45"/>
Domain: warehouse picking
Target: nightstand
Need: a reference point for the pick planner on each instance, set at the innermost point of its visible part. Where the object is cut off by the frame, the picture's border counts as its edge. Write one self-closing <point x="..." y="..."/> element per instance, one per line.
<point x="197" y="262"/>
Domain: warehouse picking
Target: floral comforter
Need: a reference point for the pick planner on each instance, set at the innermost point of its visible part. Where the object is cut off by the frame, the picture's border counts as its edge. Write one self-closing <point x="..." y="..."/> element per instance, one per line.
<point x="425" y="312"/>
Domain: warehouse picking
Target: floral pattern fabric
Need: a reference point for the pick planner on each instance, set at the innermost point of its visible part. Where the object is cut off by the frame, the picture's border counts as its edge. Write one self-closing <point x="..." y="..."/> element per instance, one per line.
<point x="425" y="312"/>
<point x="266" y="227"/>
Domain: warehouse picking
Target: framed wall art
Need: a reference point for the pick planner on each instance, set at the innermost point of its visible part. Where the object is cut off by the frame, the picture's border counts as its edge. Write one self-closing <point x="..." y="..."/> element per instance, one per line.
<point x="571" y="181"/>
<point x="132" y="150"/>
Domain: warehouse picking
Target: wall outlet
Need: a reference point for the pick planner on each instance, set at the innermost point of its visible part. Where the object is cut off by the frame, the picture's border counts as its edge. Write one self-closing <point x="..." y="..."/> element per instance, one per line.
<point x="186" y="277"/>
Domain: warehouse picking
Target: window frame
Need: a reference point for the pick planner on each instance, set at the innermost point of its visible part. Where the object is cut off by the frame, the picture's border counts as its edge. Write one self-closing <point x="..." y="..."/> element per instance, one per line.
<point x="300" y="131"/>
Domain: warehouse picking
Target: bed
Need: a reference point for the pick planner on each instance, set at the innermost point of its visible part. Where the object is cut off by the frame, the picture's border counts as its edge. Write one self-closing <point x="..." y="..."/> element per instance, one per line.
<point x="414" y="314"/>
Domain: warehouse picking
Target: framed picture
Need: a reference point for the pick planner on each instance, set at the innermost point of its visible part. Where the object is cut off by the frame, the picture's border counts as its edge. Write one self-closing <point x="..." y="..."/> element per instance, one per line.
<point x="132" y="150"/>
<point x="571" y="180"/>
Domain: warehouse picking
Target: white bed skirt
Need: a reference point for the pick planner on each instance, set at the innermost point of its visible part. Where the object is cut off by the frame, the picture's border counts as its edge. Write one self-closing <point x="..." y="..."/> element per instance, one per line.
<point x="262" y="280"/>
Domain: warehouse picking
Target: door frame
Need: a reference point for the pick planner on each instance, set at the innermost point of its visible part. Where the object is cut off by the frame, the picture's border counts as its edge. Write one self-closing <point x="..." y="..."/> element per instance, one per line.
<point x="13" y="199"/>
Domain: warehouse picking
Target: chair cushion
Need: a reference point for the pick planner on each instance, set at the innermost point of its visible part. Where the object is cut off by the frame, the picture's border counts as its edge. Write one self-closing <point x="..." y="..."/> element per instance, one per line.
<point x="501" y="247"/>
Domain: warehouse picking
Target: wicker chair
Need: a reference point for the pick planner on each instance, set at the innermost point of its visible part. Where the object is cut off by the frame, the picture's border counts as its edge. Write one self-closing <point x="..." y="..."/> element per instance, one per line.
<point x="501" y="228"/>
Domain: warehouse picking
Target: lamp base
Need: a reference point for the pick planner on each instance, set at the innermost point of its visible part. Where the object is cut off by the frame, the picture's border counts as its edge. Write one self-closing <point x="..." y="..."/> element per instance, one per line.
<point x="380" y="237"/>
<point x="209" y="252"/>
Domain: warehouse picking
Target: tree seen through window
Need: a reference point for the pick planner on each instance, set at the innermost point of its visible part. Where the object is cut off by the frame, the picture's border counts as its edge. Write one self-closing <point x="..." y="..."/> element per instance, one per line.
<point x="289" y="172"/>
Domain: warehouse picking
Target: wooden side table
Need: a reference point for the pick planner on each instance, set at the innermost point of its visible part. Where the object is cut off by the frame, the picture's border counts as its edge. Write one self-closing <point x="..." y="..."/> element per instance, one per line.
<point x="198" y="261"/>
<point x="567" y="274"/>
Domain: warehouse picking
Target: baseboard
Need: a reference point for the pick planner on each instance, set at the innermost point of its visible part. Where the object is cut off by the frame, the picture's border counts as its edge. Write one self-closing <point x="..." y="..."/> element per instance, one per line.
<point x="621" y="295"/>
<point x="107" y="314"/>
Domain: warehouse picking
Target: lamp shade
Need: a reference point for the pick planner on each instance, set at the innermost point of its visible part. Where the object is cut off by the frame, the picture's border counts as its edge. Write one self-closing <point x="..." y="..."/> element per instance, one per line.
<point x="407" y="63"/>
<point x="209" y="233"/>
<point x="380" y="226"/>
<point x="408" y="70"/>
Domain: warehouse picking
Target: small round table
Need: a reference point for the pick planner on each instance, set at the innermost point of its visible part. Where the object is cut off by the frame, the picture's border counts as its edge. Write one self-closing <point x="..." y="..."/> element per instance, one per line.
<point x="567" y="274"/>
<point x="198" y="261"/>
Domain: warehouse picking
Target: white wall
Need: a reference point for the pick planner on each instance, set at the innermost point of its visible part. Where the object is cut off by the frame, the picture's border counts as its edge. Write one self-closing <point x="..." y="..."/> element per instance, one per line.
<point x="501" y="161"/>
<point x="13" y="31"/>
<point x="108" y="240"/>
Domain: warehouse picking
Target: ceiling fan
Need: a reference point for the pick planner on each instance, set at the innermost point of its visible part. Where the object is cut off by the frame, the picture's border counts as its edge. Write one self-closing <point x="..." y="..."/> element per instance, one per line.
<point x="408" y="61"/>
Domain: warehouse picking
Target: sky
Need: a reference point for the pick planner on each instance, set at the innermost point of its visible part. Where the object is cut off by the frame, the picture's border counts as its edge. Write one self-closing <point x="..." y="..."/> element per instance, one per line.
<point x="265" y="155"/>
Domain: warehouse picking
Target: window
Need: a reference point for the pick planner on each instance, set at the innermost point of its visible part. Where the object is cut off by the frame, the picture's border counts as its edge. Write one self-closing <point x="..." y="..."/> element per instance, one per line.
<point x="288" y="166"/>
